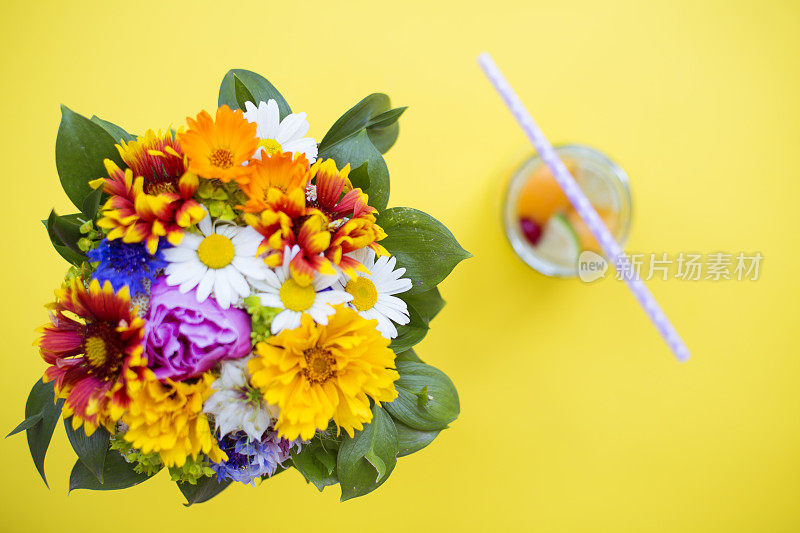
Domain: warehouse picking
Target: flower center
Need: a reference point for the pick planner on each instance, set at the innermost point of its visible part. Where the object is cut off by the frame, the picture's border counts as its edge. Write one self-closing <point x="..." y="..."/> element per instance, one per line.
<point x="216" y="251"/>
<point x="251" y="395"/>
<point x="297" y="297"/>
<point x="365" y="295"/>
<point x="101" y="350"/>
<point x="319" y="365"/>
<point x="158" y="187"/>
<point x="221" y="158"/>
<point x="270" y="146"/>
<point x="96" y="351"/>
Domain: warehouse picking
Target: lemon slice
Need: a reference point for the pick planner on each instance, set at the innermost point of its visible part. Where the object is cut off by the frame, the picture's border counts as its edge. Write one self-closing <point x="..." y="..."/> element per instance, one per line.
<point x="559" y="243"/>
<point x="597" y="190"/>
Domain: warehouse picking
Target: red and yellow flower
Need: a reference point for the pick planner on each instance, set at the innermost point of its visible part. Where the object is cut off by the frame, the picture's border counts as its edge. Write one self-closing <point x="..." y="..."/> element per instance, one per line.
<point x="152" y="198"/>
<point x="350" y="219"/>
<point x="217" y="148"/>
<point x="157" y="158"/>
<point x="93" y="344"/>
<point x="331" y="183"/>
<point x="335" y="218"/>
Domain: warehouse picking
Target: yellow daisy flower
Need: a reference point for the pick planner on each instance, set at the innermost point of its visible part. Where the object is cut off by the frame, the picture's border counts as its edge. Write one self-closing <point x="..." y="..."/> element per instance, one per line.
<point x="167" y="417"/>
<point x="317" y="373"/>
<point x="217" y="148"/>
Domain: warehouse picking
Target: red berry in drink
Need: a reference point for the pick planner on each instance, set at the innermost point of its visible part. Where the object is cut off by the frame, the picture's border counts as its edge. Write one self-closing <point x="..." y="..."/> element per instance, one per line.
<point x="531" y="230"/>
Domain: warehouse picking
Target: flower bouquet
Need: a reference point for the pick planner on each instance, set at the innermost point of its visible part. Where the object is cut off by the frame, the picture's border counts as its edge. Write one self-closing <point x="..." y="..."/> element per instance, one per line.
<point x="240" y="302"/>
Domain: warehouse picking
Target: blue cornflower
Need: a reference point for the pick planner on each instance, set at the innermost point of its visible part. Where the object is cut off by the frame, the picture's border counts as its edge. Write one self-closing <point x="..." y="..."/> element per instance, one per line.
<point x="250" y="459"/>
<point x="126" y="264"/>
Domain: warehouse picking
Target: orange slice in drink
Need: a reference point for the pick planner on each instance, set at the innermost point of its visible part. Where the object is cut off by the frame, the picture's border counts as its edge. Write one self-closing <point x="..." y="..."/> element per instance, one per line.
<point x="541" y="197"/>
<point x="585" y="237"/>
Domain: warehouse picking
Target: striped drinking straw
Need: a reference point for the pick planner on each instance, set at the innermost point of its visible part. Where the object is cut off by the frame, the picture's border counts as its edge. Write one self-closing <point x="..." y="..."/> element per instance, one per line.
<point x="584" y="208"/>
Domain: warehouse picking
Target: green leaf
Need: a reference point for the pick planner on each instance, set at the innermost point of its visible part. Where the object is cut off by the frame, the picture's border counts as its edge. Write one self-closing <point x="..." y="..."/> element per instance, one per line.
<point x="373" y="113"/>
<point x="259" y="89"/>
<point x="242" y="93"/>
<point x="359" y="137"/>
<point x="91" y="204"/>
<point x="68" y="229"/>
<point x="410" y="334"/>
<point x="117" y="474"/>
<point x="119" y="135"/>
<point x="359" y="177"/>
<point x="412" y="440"/>
<point x="407" y="355"/>
<point x="317" y="463"/>
<point x="64" y="251"/>
<point x="91" y="450"/>
<point x="41" y="402"/>
<point x="26" y="424"/>
<point x="439" y="406"/>
<point x="81" y="147"/>
<point x="427" y="304"/>
<point x="205" y="489"/>
<point x="366" y="460"/>
<point x="386" y="119"/>
<point x="422" y="244"/>
<point x="357" y="150"/>
<point x="384" y="129"/>
<point x="384" y="138"/>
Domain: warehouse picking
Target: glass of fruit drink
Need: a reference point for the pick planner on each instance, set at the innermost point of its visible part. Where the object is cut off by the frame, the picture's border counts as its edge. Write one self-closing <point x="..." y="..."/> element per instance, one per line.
<point x="541" y="224"/>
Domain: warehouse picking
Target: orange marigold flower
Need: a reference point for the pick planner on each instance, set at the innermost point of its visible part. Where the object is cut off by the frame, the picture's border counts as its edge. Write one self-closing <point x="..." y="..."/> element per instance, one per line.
<point x="93" y="344"/>
<point x="217" y="148"/>
<point x="279" y="182"/>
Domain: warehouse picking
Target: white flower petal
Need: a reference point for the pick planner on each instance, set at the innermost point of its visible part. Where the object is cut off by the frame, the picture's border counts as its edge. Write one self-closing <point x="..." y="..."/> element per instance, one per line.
<point x="293" y="127"/>
<point x="395" y="287"/>
<point x="270" y="300"/>
<point x="223" y="292"/>
<point x="391" y="314"/>
<point x="251" y="267"/>
<point x="320" y="313"/>
<point x="286" y="319"/>
<point x="205" y="225"/>
<point x="306" y="146"/>
<point x="237" y="281"/>
<point x="386" y="328"/>
<point x="272" y="119"/>
<point x="205" y="285"/>
<point x="190" y="241"/>
<point x="183" y="274"/>
<point x="179" y="253"/>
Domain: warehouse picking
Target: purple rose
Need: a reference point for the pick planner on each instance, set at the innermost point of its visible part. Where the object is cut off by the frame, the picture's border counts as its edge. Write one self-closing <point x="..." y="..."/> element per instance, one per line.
<point x="183" y="337"/>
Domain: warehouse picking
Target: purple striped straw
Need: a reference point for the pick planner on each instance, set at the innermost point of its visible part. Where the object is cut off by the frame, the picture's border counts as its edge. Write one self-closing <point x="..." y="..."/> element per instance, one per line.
<point x="587" y="212"/>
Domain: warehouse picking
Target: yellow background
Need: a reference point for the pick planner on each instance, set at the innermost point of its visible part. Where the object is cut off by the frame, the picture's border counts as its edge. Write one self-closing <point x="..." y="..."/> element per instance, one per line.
<point x="574" y="416"/>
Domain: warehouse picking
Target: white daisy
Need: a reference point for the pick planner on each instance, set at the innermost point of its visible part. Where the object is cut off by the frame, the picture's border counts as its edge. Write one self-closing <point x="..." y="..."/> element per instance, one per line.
<point x="237" y="405"/>
<point x="281" y="291"/>
<point x="285" y="135"/>
<point x="221" y="262"/>
<point x="372" y="293"/>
